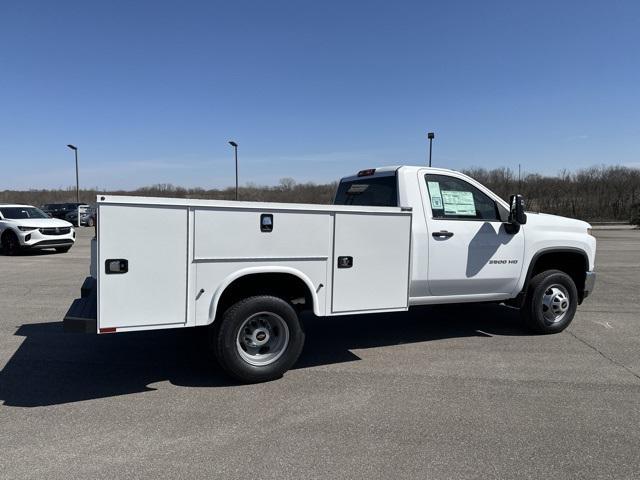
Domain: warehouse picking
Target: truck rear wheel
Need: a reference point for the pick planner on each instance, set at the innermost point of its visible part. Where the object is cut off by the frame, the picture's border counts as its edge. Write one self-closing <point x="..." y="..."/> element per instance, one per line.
<point x="258" y="339"/>
<point x="551" y="303"/>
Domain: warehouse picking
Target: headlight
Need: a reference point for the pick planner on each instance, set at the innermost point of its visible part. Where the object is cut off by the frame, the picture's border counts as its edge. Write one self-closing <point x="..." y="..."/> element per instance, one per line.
<point x="26" y="229"/>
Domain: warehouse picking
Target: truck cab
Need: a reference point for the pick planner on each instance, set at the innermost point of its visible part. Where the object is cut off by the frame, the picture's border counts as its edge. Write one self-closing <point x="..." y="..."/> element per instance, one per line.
<point x="468" y="245"/>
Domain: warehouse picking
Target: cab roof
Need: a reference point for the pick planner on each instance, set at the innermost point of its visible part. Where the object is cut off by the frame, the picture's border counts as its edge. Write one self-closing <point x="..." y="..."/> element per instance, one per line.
<point x="390" y="169"/>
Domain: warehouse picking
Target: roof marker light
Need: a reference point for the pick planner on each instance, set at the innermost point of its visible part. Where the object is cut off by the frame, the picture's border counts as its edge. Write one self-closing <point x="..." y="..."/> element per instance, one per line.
<point x="366" y="173"/>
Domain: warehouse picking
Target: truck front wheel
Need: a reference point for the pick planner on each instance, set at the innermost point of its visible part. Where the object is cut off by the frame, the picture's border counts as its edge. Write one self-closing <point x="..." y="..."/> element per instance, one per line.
<point x="258" y="339"/>
<point x="551" y="302"/>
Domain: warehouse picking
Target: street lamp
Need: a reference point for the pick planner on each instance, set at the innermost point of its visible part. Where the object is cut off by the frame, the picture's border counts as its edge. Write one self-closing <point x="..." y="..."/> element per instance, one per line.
<point x="430" y="136"/>
<point x="75" y="151"/>
<point x="235" y="147"/>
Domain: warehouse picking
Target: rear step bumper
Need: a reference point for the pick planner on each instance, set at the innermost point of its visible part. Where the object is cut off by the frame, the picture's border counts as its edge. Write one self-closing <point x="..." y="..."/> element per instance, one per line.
<point x="83" y="312"/>
<point x="88" y="286"/>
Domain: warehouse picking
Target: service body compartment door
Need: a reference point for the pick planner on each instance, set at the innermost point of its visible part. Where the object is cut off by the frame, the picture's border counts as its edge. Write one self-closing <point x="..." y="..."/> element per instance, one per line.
<point x="371" y="262"/>
<point x="152" y="240"/>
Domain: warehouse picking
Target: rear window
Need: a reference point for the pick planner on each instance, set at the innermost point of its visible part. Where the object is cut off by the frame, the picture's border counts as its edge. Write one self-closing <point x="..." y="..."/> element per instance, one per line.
<point x="368" y="191"/>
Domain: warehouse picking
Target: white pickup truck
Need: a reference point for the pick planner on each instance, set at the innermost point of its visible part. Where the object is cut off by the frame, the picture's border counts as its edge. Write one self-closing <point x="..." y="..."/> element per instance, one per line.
<point x="395" y="237"/>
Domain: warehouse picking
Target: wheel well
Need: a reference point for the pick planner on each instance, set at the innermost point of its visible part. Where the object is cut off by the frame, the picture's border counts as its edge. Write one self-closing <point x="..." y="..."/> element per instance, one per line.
<point x="573" y="263"/>
<point x="284" y="285"/>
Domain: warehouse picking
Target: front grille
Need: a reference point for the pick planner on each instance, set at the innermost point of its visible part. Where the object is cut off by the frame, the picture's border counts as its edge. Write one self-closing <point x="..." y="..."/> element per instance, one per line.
<point x="55" y="231"/>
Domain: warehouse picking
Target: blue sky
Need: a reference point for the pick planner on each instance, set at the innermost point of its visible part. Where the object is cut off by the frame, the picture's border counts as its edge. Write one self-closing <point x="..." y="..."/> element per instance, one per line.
<point x="151" y="91"/>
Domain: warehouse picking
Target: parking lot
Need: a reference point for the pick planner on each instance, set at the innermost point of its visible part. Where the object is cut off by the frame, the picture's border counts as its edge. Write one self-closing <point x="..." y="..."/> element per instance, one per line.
<point x="446" y="392"/>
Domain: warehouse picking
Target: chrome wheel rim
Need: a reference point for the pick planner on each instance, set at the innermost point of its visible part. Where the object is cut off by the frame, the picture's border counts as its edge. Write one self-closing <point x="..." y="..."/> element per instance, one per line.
<point x="555" y="303"/>
<point x="262" y="338"/>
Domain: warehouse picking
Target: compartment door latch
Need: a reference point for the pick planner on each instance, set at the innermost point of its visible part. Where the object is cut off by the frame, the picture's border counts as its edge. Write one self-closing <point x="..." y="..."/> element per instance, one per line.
<point x="345" y="262"/>
<point x="116" y="265"/>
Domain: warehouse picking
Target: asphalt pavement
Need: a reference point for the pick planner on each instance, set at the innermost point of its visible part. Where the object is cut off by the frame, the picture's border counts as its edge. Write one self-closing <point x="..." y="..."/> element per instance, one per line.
<point x="436" y="393"/>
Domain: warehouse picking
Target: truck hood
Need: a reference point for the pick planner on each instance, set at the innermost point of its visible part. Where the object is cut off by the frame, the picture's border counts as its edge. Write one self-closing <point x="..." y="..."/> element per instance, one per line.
<point x="39" y="222"/>
<point x="556" y="223"/>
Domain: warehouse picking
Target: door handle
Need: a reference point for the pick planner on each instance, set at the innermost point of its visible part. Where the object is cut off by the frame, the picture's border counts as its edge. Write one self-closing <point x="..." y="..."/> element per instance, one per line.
<point x="442" y="234"/>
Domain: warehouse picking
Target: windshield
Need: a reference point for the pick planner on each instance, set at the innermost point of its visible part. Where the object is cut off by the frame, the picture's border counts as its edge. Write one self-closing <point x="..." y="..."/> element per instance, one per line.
<point x="379" y="191"/>
<point x="17" y="213"/>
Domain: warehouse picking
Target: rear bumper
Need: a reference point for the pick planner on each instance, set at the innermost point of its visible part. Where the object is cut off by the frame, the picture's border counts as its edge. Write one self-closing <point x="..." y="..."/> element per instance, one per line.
<point x="83" y="312"/>
<point x="589" y="284"/>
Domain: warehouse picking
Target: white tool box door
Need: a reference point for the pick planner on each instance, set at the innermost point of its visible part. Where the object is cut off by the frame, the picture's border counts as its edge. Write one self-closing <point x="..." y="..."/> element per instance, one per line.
<point x="371" y="262"/>
<point x="151" y="287"/>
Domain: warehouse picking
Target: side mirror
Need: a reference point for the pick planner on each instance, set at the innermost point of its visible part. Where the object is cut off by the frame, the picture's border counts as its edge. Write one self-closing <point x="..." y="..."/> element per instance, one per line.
<point x="517" y="215"/>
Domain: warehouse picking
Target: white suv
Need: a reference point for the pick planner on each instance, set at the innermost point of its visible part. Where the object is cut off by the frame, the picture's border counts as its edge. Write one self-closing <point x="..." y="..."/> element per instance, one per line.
<point x="27" y="227"/>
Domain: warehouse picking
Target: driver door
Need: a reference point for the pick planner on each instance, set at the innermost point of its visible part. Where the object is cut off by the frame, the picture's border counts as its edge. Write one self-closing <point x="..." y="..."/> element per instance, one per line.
<point x="470" y="251"/>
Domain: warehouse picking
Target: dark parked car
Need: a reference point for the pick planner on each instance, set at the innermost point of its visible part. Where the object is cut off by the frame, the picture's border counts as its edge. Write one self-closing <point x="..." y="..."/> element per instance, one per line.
<point x="52" y="209"/>
<point x="87" y="216"/>
<point x="60" y="210"/>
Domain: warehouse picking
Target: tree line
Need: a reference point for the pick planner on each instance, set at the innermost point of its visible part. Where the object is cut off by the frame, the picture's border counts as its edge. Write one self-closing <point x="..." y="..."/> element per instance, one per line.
<point x="606" y="193"/>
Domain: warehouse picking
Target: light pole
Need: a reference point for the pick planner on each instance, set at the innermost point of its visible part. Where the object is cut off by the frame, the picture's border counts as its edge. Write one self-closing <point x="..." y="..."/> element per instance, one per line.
<point x="519" y="179"/>
<point x="235" y="147"/>
<point x="430" y="136"/>
<point x="75" y="150"/>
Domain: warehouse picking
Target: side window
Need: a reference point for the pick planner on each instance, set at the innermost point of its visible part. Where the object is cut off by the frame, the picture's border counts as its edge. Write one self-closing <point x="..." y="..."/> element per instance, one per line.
<point x="454" y="198"/>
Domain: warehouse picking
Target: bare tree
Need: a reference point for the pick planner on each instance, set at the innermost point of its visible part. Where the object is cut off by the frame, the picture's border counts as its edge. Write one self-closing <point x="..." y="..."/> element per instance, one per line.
<point x="595" y="194"/>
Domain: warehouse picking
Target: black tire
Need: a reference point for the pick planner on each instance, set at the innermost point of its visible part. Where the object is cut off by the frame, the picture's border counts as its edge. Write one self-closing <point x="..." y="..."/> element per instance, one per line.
<point x="10" y="243"/>
<point x="551" y="302"/>
<point x="226" y="342"/>
<point x="62" y="249"/>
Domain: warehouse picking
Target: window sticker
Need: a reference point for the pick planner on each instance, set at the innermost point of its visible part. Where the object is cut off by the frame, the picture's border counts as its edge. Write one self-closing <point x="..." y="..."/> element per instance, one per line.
<point x="458" y="203"/>
<point x="436" y="197"/>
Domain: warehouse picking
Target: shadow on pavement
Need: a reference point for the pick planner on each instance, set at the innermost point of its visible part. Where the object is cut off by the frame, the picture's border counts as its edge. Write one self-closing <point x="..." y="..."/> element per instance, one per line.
<point x="52" y="367"/>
